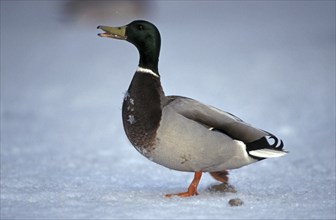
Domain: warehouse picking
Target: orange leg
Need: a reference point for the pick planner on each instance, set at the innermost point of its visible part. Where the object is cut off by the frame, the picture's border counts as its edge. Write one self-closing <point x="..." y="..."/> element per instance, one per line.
<point x="221" y="176"/>
<point x="192" y="189"/>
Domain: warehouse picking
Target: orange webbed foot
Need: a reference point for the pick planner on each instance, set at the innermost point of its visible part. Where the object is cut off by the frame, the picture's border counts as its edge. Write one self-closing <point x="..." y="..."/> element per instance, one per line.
<point x="192" y="189"/>
<point x="184" y="194"/>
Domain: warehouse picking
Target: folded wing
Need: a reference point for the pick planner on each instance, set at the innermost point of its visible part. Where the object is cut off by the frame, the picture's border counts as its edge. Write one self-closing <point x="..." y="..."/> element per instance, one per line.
<point x="259" y="143"/>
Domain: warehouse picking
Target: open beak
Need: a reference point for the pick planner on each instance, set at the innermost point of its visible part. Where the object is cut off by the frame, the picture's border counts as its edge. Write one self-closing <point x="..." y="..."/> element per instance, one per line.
<point x="113" y="32"/>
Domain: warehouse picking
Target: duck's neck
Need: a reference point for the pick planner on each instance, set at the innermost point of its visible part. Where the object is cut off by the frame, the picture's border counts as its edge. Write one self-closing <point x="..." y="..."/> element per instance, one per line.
<point x="149" y="57"/>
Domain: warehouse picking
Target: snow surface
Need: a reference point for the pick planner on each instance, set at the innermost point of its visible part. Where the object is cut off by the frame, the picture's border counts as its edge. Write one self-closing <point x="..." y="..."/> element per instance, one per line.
<point x="64" y="154"/>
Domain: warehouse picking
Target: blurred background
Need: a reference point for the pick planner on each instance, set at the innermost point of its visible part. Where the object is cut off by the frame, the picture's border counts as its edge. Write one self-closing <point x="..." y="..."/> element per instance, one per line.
<point x="63" y="149"/>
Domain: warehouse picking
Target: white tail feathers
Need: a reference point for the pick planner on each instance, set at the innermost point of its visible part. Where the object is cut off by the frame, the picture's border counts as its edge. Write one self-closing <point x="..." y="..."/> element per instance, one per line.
<point x="267" y="153"/>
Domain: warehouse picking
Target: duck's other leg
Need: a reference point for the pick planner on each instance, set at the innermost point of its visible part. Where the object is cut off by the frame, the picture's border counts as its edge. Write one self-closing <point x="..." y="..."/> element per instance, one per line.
<point x="221" y="176"/>
<point x="192" y="189"/>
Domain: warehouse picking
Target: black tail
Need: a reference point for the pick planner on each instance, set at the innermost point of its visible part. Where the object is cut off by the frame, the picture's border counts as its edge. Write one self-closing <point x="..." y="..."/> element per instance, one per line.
<point x="261" y="149"/>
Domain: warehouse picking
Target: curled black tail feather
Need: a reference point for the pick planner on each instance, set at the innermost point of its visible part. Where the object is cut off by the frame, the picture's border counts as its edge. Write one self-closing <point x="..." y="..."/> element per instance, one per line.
<point x="263" y="143"/>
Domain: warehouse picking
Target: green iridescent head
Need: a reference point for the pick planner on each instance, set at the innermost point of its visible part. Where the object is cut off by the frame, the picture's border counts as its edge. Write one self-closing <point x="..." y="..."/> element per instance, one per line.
<point x="143" y="35"/>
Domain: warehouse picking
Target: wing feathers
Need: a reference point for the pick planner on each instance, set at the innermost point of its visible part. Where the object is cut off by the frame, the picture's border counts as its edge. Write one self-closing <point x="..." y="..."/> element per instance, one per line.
<point x="258" y="142"/>
<point x="213" y="117"/>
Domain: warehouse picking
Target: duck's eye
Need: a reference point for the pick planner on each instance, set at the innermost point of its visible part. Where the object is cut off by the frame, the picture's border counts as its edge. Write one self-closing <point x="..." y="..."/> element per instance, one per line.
<point x="140" y="27"/>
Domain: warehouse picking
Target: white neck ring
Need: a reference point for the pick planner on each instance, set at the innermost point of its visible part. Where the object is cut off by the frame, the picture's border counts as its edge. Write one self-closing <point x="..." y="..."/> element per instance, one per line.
<point x="145" y="70"/>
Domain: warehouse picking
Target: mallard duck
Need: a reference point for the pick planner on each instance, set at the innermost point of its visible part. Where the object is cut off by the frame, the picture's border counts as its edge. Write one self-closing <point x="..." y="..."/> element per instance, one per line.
<point x="181" y="133"/>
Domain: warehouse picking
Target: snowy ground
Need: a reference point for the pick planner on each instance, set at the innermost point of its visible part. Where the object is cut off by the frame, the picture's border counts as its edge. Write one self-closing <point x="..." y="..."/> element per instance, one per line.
<point x="63" y="150"/>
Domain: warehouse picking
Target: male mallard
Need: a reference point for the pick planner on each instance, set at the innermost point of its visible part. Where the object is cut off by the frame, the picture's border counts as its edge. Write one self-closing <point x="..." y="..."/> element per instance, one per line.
<point x="178" y="132"/>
